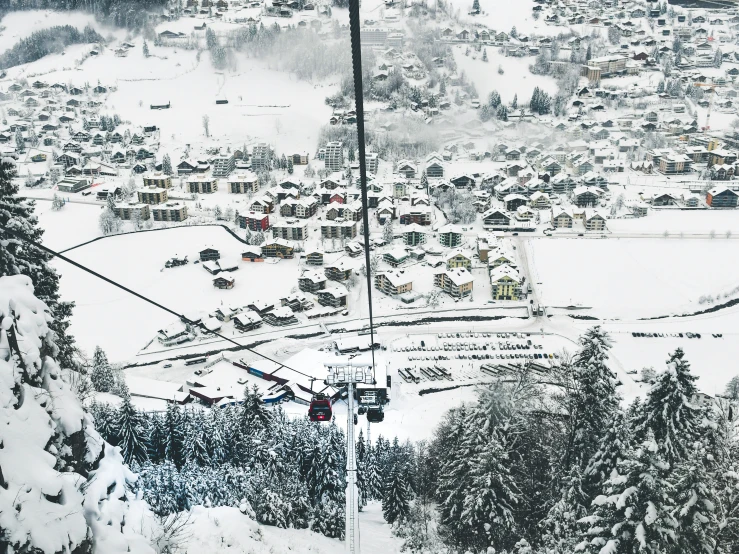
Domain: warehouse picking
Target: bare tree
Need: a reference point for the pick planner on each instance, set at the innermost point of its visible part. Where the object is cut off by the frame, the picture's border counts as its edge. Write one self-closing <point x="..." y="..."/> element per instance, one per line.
<point x="206" y="125"/>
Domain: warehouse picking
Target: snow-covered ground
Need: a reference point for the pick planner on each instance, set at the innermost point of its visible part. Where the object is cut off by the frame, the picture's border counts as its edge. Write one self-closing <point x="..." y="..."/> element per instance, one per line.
<point x="70" y="226"/>
<point x="631" y="277"/>
<point x="515" y="80"/>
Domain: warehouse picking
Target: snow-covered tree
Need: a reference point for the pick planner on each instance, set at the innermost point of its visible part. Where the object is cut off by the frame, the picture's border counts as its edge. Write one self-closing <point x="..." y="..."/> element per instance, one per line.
<point x="146" y="49"/>
<point x="131" y="432"/>
<point x="20" y="257"/>
<point x="102" y="376"/>
<point x="396" y="496"/>
<point x="63" y="488"/>
<point x="387" y="230"/>
<point x="57" y="203"/>
<point x="167" y="165"/>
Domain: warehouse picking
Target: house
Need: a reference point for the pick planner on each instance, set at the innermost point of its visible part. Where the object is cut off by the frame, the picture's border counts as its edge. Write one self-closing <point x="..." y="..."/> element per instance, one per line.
<point x="407" y="169"/>
<point x="280" y="317"/>
<point x="252" y="254"/>
<point x="450" y="236"/>
<point x="434" y="169"/>
<point x="514" y="201"/>
<point x="395" y="257"/>
<point x="130" y="211"/>
<point x="664" y="199"/>
<point x="495" y="218"/>
<point x="505" y="283"/>
<point x="393" y="283"/>
<point x="224" y="281"/>
<point x="339" y="271"/>
<point x="457" y="282"/>
<point x="312" y="281"/>
<point x="209" y="254"/>
<point x="594" y="221"/>
<point x="584" y="197"/>
<point x="333" y="297"/>
<point x="313" y="256"/>
<point x="278" y="248"/>
<point x="72" y="184"/>
<point x="561" y="218"/>
<point x="247" y="321"/>
<point x="539" y="200"/>
<point x="721" y="197"/>
<point x="413" y="235"/>
<point x="420" y="215"/>
<point x="353" y="249"/>
<point x="459" y="259"/>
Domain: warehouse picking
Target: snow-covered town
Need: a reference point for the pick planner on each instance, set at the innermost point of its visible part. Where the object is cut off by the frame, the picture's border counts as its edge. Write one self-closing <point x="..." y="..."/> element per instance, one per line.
<point x="491" y="307"/>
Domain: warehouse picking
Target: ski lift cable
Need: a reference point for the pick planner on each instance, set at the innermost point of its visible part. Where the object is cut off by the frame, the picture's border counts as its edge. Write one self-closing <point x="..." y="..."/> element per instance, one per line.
<point x="359" y="108"/>
<point x="146" y="299"/>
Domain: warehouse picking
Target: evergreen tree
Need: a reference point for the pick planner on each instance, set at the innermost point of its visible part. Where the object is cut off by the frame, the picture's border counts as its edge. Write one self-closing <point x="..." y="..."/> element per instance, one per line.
<point x="442" y="87"/>
<point x="173" y="423"/>
<point x="19" y="257"/>
<point x="156" y="444"/>
<point x="484" y="53"/>
<point x="167" y="165"/>
<point x="476" y="6"/>
<point x="669" y="413"/>
<point x="502" y="113"/>
<point x="396" y="497"/>
<point x="387" y="230"/>
<point x="146" y="49"/>
<point x="20" y="143"/>
<point x="194" y="447"/>
<point x="102" y="374"/>
<point x="514" y="104"/>
<point x="488" y="506"/>
<point x="132" y="439"/>
<point x="634" y="516"/>
<point x="494" y="100"/>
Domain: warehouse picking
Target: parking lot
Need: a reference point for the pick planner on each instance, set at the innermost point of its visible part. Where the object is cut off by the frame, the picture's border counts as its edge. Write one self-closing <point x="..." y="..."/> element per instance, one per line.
<point x="464" y="356"/>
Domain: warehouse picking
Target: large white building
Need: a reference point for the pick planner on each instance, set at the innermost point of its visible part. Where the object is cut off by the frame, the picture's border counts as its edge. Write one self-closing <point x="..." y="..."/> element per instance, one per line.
<point x="334" y="159"/>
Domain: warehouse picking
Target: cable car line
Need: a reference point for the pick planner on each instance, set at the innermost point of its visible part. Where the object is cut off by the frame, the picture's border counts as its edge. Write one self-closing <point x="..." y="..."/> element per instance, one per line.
<point x="146" y="299"/>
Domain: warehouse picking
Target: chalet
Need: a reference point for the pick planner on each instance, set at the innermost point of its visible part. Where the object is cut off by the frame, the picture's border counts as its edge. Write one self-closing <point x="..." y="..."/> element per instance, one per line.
<point x="209" y="254"/>
<point x="505" y="283"/>
<point x="495" y="218"/>
<point x="280" y="317"/>
<point x="252" y="254"/>
<point x="395" y="257"/>
<point x="584" y="197"/>
<point x="594" y="221"/>
<point x="407" y="169"/>
<point x="561" y="218"/>
<point x="450" y="236"/>
<point x="721" y="197"/>
<point x="463" y="181"/>
<point x="278" y="248"/>
<point x="224" y="281"/>
<point x="312" y="281"/>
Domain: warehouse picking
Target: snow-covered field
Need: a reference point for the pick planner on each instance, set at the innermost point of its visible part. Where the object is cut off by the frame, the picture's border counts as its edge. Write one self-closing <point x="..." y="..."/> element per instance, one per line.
<point x="70" y="226"/>
<point x="137" y="261"/>
<point x="631" y="277"/>
<point x="516" y="78"/>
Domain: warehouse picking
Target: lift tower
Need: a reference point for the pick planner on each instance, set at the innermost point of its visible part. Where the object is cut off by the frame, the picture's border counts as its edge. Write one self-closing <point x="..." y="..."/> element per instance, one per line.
<point x="340" y="375"/>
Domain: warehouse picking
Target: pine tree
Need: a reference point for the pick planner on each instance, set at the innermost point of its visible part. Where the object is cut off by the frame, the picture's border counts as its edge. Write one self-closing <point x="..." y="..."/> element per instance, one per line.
<point x="669" y="413"/>
<point x="502" y="113"/>
<point x="132" y="438"/>
<point x="635" y="514"/>
<point x="146" y="49"/>
<point x="514" y="104"/>
<point x="167" y="165"/>
<point x="484" y="53"/>
<point x="20" y="143"/>
<point x="387" y="230"/>
<point x="194" y="447"/>
<point x="476" y="6"/>
<point x="494" y="100"/>
<point x="488" y="506"/>
<point x="396" y="497"/>
<point x="19" y="257"/>
<point x="102" y="374"/>
<point x="173" y="423"/>
<point x="156" y="443"/>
